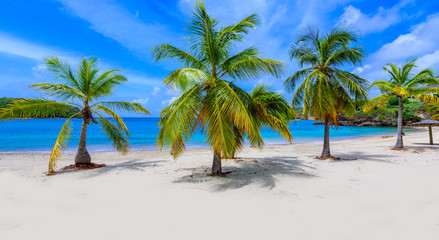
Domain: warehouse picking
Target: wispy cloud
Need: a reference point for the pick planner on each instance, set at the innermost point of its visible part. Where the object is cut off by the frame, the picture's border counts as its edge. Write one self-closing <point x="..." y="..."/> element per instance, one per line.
<point x="142" y="101"/>
<point x="22" y="48"/>
<point x="113" y="21"/>
<point x="381" y="20"/>
<point x="168" y="101"/>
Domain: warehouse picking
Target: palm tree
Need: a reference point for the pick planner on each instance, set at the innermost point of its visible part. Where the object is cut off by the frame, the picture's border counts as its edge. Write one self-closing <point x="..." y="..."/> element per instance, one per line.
<point x="403" y="83"/>
<point x="326" y="90"/>
<point x="81" y="90"/>
<point x="209" y="101"/>
<point x="268" y="109"/>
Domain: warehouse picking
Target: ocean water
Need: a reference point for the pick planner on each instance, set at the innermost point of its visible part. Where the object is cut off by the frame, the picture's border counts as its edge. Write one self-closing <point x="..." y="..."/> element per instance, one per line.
<point x="34" y="135"/>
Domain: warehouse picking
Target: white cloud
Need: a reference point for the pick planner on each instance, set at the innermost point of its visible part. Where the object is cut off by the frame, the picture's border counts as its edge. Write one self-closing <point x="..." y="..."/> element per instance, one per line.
<point x="117" y="23"/>
<point x="142" y="101"/>
<point x="155" y="91"/>
<point x="169" y="101"/>
<point x="429" y="61"/>
<point x="421" y="42"/>
<point x="39" y="70"/>
<point x="313" y="12"/>
<point x="379" y="21"/>
<point x="359" y="70"/>
<point x="423" y="39"/>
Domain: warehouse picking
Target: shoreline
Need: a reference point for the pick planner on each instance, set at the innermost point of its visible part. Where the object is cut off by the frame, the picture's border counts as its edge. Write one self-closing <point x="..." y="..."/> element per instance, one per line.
<point x="267" y="143"/>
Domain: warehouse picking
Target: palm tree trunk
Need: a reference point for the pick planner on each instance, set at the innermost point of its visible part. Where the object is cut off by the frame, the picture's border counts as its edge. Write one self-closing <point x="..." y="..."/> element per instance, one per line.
<point x="326" y="153"/>
<point x="216" y="165"/>
<point x="430" y="133"/>
<point x="399" y="143"/>
<point x="82" y="156"/>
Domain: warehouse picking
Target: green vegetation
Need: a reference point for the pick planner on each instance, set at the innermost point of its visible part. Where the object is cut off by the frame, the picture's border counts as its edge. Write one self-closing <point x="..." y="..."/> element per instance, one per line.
<point x="389" y="111"/>
<point x="325" y="90"/>
<point x="209" y="101"/>
<point x="403" y="83"/>
<point x="62" y="113"/>
<point x="84" y="87"/>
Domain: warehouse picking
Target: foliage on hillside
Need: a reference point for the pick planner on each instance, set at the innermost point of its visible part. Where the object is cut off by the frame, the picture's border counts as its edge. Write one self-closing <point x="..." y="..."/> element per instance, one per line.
<point x="387" y="115"/>
<point x="69" y="111"/>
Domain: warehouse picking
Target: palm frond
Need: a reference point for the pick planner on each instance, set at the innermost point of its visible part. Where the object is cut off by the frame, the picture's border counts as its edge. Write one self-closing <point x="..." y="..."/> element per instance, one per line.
<point x="104" y="84"/>
<point x="432" y="99"/>
<point x="377" y="102"/>
<point x="114" y="133"/>
<point x="63" y="92"/>
<point x="383" y="85"/>
<point x="124" y="106"/>
<point x="185" y="78"/>
<point x="119" y="121"/>
<point x="236" y="31"/>
<point x="253" y="67"/>
<point x="178" y="120"/>
<point x="166" y="51"/>
<point x="32" y="108"/>
<point x="291" y="81"/>
<point x="62" y="70"/>
<point x="60" y="144"/>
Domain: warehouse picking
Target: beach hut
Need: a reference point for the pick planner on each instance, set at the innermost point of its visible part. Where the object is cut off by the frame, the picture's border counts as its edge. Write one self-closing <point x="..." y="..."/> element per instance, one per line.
<point x="429" y="124"/>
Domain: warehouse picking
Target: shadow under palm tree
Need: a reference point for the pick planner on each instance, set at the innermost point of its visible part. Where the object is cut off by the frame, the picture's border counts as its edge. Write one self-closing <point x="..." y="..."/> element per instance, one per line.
<point x="262" y="171"/>
<point x="132" y="165"/>
<point x="352" y="156"/>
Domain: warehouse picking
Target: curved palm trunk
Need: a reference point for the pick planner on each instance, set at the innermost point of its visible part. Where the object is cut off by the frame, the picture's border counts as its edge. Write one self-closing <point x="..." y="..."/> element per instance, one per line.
<point x="399" y="143"/>
<point x="326" y="153"/>
<point x="82" y="156"/>
<point x="216" y="165"/>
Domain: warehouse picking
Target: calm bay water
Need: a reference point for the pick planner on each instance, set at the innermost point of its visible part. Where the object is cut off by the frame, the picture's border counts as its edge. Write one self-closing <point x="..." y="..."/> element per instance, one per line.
<point x="40" y="134"/>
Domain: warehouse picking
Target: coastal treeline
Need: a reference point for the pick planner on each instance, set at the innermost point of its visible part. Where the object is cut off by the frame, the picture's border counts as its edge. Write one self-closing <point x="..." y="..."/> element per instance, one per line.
<point x="211" y="100"/>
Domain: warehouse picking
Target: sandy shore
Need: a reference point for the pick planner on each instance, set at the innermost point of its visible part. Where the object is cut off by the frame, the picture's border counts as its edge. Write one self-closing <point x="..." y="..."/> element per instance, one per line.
<point x="280" y="192"/>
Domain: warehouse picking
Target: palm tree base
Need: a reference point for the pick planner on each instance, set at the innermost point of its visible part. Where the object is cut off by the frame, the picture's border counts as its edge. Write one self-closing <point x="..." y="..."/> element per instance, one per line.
<point x="83" y="166"/>
<point x="328" y="157"/>
<point x="399" y="148"/>
<point x="217" y="174"/>
<point x="222" y="174"/>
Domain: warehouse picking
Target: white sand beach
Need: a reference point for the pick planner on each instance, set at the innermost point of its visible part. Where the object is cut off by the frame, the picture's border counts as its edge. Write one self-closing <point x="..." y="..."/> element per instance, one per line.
<point x="280" y="192"/>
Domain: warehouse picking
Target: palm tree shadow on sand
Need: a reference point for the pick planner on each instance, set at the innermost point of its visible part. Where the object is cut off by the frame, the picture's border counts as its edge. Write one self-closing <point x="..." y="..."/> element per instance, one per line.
<point x="358" y="155"/>
<point x="425" y="146"/>
<point x="262" y="171"/>
<point x="132" y="165"/>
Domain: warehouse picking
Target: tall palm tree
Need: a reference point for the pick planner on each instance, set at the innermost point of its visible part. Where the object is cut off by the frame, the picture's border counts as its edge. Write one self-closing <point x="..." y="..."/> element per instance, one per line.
<point x="404" y="83"/>
<point x="210" y="100"/>
<point x="82" y="90"/>
<point x="326" y="90"/>
<point x="268" y="109"/>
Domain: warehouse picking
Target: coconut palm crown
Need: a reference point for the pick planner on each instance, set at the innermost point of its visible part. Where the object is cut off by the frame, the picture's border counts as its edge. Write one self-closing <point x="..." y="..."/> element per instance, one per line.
<point x="325" y="90"/>
<point x="210" y="100"/>
<point x="82" y="89"/>
<point x="404" y="83"/>
<point x="268" y="109"/>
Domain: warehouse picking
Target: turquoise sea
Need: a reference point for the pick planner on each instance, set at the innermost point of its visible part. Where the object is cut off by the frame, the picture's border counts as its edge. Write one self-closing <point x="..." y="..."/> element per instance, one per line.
<point x="35" y="135"/>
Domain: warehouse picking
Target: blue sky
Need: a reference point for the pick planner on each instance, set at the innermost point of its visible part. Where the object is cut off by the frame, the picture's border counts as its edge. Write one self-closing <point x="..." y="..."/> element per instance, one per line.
<point x="122" y="32"/>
